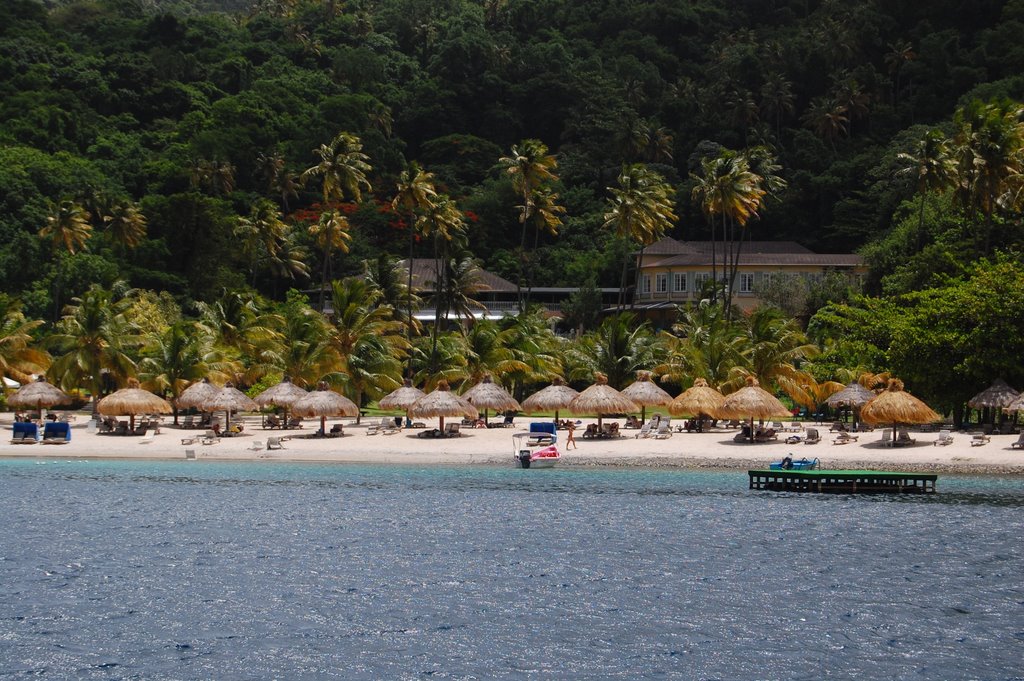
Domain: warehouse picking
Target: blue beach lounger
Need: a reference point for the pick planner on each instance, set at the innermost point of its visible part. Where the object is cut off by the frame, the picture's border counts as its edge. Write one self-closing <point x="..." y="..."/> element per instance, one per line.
<point x="56" y="433"/>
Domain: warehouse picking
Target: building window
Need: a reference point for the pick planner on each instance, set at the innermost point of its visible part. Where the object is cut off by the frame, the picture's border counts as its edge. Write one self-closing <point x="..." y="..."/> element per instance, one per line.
<point x="679" y="282"/>
<point x="645" y="283"/>
<point x="700" y="279"/>
<point x="661" y="283"/>
<point x="746" y="282"/>
<point x="766" y="279"/>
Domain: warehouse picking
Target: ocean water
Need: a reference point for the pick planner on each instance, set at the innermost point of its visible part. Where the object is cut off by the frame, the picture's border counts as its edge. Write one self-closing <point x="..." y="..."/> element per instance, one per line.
<point x="202" y="570"/>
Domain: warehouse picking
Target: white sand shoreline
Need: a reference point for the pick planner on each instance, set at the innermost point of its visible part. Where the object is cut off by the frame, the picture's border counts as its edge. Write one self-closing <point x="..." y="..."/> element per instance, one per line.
<point x="713" y="450"/>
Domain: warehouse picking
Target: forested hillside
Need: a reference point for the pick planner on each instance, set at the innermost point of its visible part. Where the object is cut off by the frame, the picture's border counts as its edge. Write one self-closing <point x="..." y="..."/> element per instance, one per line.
<point x="163" y="124"/>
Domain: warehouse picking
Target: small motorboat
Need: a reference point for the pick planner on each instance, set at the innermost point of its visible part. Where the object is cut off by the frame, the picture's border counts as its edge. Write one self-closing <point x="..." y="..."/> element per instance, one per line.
<point x="536" y="448"/>
<point x="791" y="464"/>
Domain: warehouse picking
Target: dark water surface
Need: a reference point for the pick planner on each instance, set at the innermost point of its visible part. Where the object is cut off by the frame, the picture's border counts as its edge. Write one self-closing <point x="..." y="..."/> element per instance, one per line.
<point x="201" y="570"/>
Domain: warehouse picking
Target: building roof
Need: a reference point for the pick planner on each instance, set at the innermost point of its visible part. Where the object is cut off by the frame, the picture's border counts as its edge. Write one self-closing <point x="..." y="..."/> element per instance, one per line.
<point x="669" y="252"/>
<point x="424" y="272"/>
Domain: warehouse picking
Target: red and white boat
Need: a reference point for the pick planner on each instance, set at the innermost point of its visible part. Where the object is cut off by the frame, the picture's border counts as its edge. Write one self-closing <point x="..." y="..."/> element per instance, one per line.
<point x="535" y="449"/>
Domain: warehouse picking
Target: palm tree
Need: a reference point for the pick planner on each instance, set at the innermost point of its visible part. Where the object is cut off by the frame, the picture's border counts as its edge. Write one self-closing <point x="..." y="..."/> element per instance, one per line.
<point x="415" y="195"/>
<point x="641" y="210"/>
<point x="330" y="232"/>
<point x="182" y="354"/>
<point x="828" y="118"/>
<point x="535" y="345"/>
<point x="777" y="99"/>
<point x="387" y="275"/>
<point x="774" y="348"/>
<point x="933" y="169"/>
<point x="897" y="57"/>
<point x="260" y="233"/>
<point x="308" y="354"/>
<point x="703" y="344"/>
<point x="367" y="339"/>
<point x="530" y="167"/>
<point x="66" y="227"/>
<point x="92" y="339"/>
<point x="244" y="332"/>
<point x="19" y="359"/>
<point x="489" y="351"/>
<point x="277" y="179"/>
<point x="618" y="348"/>
<point x="126" y="224"/>
<point x="342" y="168"/>
<point x="445" y="222"/>
<point x="461" y="283"/>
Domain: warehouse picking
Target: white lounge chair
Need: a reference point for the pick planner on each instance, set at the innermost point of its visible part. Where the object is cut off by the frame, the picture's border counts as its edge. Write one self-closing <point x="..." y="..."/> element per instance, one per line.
<point x="375" y="428"/>
<point x="275" y="443"/>
<point x="256" y="446"/>
<point x="645" y="430"/>
<point x="844" y="438"/>
<point x="945" y="438"/>
<point x="664" y="430"/>
<point x="147" y="437"/>
<point x="978" y="439"/>
<point x="210" y="437"/>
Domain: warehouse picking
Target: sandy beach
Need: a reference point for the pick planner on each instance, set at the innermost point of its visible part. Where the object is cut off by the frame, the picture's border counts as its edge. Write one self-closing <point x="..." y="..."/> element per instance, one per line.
<point x="710" y="450"/>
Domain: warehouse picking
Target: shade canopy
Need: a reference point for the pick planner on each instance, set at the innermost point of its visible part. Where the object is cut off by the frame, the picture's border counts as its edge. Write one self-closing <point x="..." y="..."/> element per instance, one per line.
<point x="489" y="395"/>
<point x="1016" y="405"/>
<point x="196" y="394"/>
<point x="700" y="399"/>
<point x="644" y="392"/>
<point x="601" y="399"/>
<point x="895" y="406"/>
<point x="402" y="398"/>
<point x="751" y="402"/>
<point x="853" y="395"/>
<point x="999" y="395"/>
<point x="132" y="401"/>
<point x="324" y="402"/>
<point x="229" y="398"/>
<point x="554" y="397"/>
<point x="38" y="394"/>
<point x="284" y="394"/>
<point x="442" y="402"/>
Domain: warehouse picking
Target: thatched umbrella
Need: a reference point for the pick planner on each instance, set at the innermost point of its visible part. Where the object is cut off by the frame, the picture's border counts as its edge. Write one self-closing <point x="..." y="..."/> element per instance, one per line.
<point x="699" y="400"/>
<point x="854" y="396"/>
<point x="895" y="406"/>
<point x="489" y="395"/>
<point x="132" y="401"/>
<point x="38" y="394"/>
<point x="601" y="399"/>
<point x="196" y="394"/>
<point x="556" y="396"/>
<point x="442" y="402"/>
<point x="284" y="394"/>
<point x="644" y="392"/>
<point x="999" y="395"/>
<point x="402" y="398"/>
<point x="751" y="402"/>
<point x="324" y="402"/>
<point x="229" y="398"/>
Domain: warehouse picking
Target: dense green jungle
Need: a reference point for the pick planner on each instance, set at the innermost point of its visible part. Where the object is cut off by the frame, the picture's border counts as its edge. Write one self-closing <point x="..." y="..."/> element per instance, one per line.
<point x="170" y="165"/>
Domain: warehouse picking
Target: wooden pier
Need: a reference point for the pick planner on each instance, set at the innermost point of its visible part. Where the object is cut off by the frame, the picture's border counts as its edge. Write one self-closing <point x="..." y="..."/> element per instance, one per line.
<point x="843" y="482"/>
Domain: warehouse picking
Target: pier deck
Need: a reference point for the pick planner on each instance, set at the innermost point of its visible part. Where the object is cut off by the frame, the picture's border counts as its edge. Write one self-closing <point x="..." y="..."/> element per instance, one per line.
<point x="843" y="482"/>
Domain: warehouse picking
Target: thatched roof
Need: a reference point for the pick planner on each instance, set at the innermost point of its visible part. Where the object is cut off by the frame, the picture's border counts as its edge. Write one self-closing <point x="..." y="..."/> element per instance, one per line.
<point x="132" y="401"/>
<point x="853" y="395"/>
<point x="281" y="395"/>
<point x="196" y="394"/>
<point x="38" y="394"/>
<point x="401" y="398"/>
<point x="601" y="398"/>
<point x="324" y="402"/>
<point x="699" y="399"/>
<point x="556" y="396"/>
<point x="644" y="392"/>
<point x="489" y="395"/>
<point x="997" y="395"/>
<point x="751" y="401"/>
<point x="442" y="402"/>
<point x="1016" y="405"/>
<point x="894" y="405"/>
<point x="230" y="398"/>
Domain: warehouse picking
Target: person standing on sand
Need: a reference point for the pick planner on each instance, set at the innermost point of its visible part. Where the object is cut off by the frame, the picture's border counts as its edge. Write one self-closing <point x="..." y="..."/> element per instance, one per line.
<point x="570" y="440"/>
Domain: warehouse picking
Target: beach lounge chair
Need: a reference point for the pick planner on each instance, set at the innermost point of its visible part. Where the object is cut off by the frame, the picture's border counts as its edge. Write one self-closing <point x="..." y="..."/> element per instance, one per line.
<point x="390" y="427"/>
<point x="509" y="421"/>
<point x="1019" y="444"/>
<point x="978" y="439"/>
<point x="664" y="430"/>
<point x="337" y="430"/>
<point x="24" y="433"/>
<point x="375" y="428"/>
<point x="903" y="438"/>
<point x="645" y="430"/>
<point x="271" y="421"/>
<point x="189" y="421"/>
<point x="945" y="438"/>
<point x="294" y="422"/>
<point x="255" y="446"/>
<point x="812" y="437"/>
<point x="147" y="437"/>
<point x="590" y="431"/>
<point x="56" y="433"/>
<point x="886" y="438"/>
<point x="837" y="426"/>
<point x="210" y="437"/>
<point x="452" y="430"/>
<point x="542" y="433"/>
<point x="191" y="439"/>
<point x="794" y="427"/>
<point x="275" y="443"/>
<point x="844" y="438"/>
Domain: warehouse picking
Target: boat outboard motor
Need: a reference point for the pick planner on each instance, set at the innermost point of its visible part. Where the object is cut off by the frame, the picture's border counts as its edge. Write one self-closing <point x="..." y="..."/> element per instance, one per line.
<point x="524" y="458"/>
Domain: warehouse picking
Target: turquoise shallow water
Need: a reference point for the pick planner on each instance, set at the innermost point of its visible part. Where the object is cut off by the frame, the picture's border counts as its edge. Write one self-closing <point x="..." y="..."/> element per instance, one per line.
<point x="202" y="570"/>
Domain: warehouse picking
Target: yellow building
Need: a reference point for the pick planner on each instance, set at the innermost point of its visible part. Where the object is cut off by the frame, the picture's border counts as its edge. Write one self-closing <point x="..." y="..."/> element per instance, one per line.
<point x="675" y="272"/>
